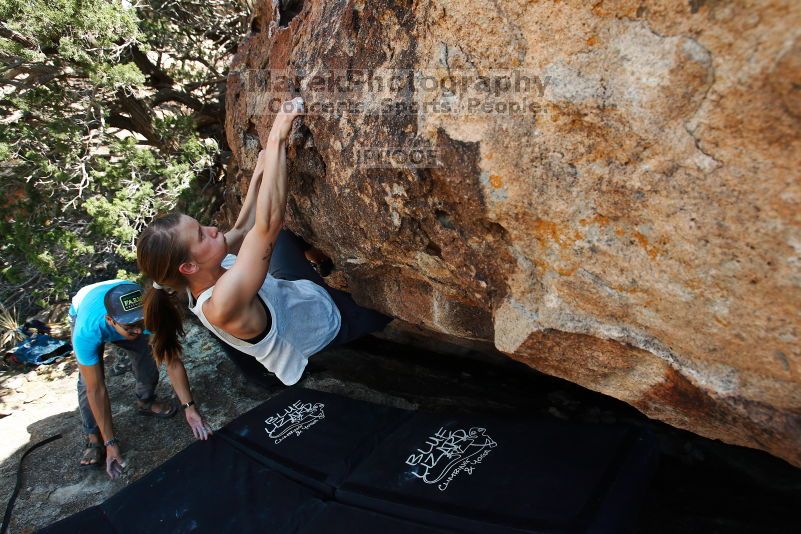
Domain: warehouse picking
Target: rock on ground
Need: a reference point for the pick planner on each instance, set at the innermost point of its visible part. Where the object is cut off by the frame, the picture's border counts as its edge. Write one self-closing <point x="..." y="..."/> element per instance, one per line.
<point x="634" y="229"/>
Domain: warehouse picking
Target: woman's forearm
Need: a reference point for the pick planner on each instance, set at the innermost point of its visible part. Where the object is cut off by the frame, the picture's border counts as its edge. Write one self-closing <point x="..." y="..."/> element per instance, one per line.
<point x="247" y="215"/>
<point x="265" y="201"/>
<point x="271" y="201"/>
<point x="180" y="382"/>
<point x="279" y="185"/>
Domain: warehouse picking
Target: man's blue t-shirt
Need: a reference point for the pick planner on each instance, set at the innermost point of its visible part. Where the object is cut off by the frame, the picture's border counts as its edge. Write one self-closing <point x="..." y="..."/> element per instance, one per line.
<point x="90" y="329"/>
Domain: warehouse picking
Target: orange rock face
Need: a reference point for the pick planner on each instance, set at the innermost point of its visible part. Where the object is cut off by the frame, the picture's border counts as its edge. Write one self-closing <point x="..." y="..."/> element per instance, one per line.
<point x="608" y="191"/>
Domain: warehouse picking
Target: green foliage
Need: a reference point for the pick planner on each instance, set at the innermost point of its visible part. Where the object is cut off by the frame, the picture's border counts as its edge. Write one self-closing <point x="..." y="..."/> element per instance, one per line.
<point x="126" y="76"/>
<point x="9" y="328"/>
<point x="122" y="274"/>
<point x="108" y="115"/>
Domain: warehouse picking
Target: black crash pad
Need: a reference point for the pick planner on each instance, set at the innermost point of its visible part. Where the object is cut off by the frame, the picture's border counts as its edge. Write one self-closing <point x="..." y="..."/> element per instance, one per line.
<point x="483" y="474"/>
<point x="211" y="487"/>
<point x="337" y="518"/>
<point x="89" y="521"/>
<point x="313" y="437"/>
<point x="307" y="461"/>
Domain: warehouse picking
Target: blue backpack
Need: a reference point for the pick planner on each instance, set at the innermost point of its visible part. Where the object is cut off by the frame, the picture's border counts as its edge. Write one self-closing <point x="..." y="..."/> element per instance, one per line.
<point x="38" y="348"/>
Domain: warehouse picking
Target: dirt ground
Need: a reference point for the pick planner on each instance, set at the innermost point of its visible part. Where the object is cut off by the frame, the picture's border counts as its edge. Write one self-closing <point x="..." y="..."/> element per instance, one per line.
<point x="702" y="485"/>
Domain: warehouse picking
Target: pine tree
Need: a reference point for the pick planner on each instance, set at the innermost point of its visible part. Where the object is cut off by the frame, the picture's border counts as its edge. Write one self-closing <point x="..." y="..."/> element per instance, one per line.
<point x="110" y="111"/>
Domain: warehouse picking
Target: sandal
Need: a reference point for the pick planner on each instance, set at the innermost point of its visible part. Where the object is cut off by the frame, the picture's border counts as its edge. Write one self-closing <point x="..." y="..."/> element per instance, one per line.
<point x="94" y="453"/>
<point x="145" y="408"/>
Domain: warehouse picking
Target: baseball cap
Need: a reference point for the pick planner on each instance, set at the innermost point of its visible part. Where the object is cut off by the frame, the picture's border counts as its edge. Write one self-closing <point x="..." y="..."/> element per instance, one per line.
<point x="124" y="303"/>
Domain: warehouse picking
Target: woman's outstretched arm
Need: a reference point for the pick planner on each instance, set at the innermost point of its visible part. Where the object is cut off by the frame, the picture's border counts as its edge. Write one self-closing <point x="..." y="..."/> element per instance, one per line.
<point x="247" y="215"/>
<point x="234" y="292"/>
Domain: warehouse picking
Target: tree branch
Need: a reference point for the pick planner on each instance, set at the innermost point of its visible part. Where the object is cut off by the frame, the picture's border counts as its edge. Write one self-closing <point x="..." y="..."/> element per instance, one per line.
<point x="18" y="38"/>
<point x="158" y="77"/>
<point x="138" y="120"/>
<point x="172" y="95"/>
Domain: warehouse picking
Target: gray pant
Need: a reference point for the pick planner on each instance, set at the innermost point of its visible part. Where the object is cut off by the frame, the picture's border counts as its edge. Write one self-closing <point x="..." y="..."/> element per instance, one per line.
<point x="145" y="372"/>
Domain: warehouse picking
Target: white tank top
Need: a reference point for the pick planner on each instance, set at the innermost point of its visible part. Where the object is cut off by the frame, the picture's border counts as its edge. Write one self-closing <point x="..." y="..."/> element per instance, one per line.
<point x="304" y="320"/>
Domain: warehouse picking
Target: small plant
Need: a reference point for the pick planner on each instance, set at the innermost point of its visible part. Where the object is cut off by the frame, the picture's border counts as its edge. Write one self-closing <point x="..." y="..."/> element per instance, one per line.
<point x="10" y="333"/>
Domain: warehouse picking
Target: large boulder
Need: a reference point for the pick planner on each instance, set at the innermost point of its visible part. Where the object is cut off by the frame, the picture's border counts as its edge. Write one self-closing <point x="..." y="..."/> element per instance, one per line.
<point x="635" y="227"/>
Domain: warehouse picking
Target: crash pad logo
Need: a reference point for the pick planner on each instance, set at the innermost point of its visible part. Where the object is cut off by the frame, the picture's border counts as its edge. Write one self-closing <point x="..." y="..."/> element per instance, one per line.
<point x="450" y="452"/>
<point x="293" y="420"/>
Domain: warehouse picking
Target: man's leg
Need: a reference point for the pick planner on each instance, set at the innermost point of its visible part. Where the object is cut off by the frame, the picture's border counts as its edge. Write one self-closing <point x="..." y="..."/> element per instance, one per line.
<point x="93" y="453"/>
<point x="87" y="419"/>
<point x="143" y="367"/>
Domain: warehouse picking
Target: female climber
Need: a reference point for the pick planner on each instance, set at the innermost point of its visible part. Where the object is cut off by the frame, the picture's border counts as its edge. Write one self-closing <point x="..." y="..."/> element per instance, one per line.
<point x="252" y="286"/>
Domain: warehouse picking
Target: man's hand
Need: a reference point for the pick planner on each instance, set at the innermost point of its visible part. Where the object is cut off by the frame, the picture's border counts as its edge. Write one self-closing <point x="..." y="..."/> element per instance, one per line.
<point x="115" y="464"/>
<point x="199" y="427"/>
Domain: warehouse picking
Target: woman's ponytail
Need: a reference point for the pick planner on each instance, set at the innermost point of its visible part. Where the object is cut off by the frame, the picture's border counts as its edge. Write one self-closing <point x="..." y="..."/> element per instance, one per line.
<point x="164" y="319"/>
<point x="159" y="253"/>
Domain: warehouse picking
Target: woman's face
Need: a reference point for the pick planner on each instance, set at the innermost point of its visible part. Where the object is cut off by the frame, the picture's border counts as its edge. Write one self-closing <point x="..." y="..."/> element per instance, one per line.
<point x="206" y="244"/>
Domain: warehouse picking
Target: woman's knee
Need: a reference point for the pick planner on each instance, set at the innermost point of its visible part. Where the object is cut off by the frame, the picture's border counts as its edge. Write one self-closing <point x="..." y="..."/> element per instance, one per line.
<point x="289" y="262"/>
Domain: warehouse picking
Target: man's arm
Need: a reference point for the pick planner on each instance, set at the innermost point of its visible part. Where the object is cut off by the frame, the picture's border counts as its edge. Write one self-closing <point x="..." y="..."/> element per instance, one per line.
<point x="180" y="383"/>
<point x="97" y="395"/>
